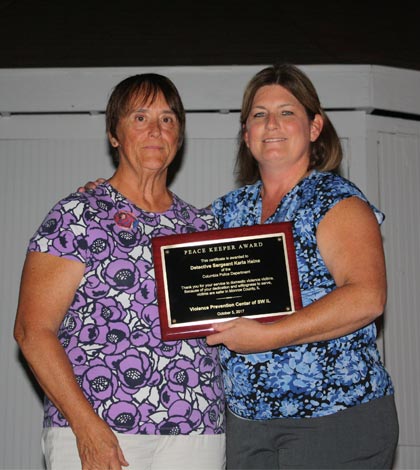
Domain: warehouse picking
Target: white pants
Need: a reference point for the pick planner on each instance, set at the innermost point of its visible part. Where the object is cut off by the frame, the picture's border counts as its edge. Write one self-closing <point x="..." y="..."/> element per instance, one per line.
<point x="195" y="452"/>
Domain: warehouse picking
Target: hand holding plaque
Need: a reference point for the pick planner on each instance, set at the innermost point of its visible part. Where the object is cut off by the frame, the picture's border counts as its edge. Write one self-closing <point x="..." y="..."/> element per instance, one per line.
<point x="206" y="277"/>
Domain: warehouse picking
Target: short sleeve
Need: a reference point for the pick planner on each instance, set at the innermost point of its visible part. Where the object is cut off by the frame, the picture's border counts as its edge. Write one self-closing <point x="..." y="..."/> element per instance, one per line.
<point x="329" y="190"/>
<point x="62" y="231"/>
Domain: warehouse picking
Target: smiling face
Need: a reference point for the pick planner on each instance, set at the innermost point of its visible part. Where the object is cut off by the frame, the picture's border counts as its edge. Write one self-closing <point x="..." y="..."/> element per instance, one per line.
<point x="147" y="136"/>
<point x="278" y="131"/>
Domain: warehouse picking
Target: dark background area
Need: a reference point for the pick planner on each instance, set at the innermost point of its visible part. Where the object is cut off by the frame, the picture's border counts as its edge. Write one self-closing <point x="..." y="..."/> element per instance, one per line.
<point x="126" y="33"/>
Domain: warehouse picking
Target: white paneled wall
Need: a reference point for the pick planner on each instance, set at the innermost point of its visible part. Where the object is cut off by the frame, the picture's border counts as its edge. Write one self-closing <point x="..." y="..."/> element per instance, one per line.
<point x="208" y="162"/>
<point x="399" y="177"/>
<point x="210" y="171"/>
<point x="45" y="156"/>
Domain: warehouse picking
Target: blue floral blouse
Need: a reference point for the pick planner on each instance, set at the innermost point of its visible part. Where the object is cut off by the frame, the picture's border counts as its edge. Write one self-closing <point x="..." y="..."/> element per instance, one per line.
<point x="308" y="380"/>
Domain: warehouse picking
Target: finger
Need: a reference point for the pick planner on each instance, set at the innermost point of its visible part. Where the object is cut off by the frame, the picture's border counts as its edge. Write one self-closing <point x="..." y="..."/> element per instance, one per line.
<point x="87" y="186"/>
<point x="121" y="458"/>
<point x="113" y="466"/>
<point x="216" y="338"/>
<point x="223" y="326"/>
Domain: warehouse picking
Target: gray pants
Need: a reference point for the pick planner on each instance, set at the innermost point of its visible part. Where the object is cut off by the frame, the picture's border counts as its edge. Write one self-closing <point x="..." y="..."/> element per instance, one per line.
<point x="361" y="437"/>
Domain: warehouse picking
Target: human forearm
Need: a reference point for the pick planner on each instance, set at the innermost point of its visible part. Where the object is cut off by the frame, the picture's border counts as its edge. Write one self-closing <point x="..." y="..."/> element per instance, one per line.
<point x="341" y="312"/>
<point x="53" y="371"/>
<point x="98" y="446"/>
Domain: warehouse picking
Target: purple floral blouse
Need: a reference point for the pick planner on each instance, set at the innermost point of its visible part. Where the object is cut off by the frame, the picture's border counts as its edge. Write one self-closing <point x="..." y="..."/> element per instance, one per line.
<point x="136" y="382"/>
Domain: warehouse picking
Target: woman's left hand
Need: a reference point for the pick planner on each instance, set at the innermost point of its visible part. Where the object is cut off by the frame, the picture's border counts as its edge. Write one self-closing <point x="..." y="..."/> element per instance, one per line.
<point x="90" y="185"/>
<point x="243" y="335"/>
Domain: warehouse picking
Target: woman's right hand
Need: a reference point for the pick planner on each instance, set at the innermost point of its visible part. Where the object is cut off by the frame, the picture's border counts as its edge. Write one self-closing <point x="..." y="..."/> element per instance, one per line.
<point x="90" y="185"/>
<point x="98" y="447"/>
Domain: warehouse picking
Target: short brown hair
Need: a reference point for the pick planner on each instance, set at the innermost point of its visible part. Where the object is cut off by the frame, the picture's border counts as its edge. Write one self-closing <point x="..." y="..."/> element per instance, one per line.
<point x="147" y="86"/>
<point x="326" y="151"/>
